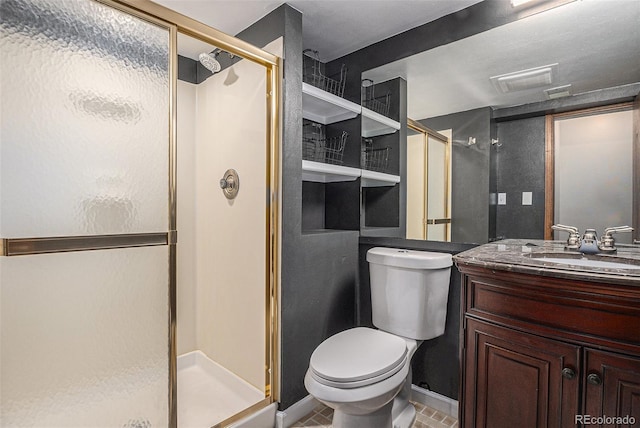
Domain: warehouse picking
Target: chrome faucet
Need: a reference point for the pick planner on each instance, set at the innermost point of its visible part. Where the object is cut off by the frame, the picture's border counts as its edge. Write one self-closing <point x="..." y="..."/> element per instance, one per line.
<point x="573" y="242"/>
<point x="589" y="243"/>
<point x="607" y="242"/>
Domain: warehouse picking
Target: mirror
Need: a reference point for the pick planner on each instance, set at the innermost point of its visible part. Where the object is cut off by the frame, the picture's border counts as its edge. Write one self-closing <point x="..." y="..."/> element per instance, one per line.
<point x="577" y="55"/>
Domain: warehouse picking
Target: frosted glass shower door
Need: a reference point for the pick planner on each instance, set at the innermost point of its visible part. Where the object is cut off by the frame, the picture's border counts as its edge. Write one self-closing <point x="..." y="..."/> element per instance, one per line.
<point x="85" y="272"/>
<point x="416" y="187"/>
<point x="428" y="184"/>
<point x="438" y="198"/>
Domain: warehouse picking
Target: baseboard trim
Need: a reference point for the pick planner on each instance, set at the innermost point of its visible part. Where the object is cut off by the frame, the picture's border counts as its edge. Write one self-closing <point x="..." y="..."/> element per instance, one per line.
<point x="434" y="400"/>
<point x="295" y="412"/>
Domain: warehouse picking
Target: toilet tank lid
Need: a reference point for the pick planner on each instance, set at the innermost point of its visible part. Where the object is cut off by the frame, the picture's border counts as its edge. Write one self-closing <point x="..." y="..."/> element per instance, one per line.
<point x="411" y="259"/>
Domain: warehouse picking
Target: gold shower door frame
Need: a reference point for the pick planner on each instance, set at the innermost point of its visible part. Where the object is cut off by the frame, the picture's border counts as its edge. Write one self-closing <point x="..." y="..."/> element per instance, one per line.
<point x="446" y="220"/>
<point x="174" y="23"/>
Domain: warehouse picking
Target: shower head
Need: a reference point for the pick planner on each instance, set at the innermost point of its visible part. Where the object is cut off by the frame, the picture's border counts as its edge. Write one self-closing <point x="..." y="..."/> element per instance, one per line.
<point x="209" y="62"/>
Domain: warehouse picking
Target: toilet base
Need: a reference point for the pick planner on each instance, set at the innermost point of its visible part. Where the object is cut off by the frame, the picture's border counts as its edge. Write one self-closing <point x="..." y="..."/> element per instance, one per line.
<point x="403" y="412"/>
<point x="406" y="418"/>
<point x="380" y="418"/>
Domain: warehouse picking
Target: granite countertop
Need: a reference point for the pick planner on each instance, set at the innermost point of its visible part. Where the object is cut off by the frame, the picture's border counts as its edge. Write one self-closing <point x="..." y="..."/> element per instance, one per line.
<point x="532" y="257"/>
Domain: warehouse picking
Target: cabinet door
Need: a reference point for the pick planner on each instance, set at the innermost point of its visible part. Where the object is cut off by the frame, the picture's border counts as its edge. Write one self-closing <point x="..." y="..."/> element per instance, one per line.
<point x="612" y="386"/>
<point x="514" y="379"/>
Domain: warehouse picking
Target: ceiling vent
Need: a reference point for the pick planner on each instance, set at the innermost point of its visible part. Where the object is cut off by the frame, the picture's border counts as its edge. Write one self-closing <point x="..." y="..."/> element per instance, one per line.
<point x="558" y="92"/>
<point x="525" y="79"/>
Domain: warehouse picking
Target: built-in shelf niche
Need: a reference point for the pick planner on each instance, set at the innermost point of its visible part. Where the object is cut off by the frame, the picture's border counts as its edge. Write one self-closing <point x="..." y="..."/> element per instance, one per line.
<point x="381" y="207"/>
<point x="381" y="128"/>
<point x="330" y="206"/>
<point x="332" y="194"/>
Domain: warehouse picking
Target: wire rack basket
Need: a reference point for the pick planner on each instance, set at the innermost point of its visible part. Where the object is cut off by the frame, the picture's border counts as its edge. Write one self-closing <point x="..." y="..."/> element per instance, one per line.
<point x="373" y="103"/>
<point x="317" y="147"/>
<point x="314" y="74"/>
<point x="374" y="159"/>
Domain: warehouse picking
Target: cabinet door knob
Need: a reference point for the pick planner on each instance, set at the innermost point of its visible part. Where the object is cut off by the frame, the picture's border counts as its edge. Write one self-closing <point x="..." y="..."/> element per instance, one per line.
<point x="568" y="373"/>
<point x="594" y="379"/>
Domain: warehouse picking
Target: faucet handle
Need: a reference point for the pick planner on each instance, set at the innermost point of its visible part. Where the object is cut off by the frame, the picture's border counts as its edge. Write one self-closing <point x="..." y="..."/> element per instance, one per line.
<point x="617" y="229"/>
<point x="562" y="227"/>
<point x="573" y="242"/>
<point x="607" y="242"/>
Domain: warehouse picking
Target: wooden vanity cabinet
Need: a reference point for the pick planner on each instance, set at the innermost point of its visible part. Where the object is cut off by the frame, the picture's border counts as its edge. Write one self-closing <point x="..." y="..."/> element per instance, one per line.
<point x="613" y="385"/>
<point x="537" y="351"/>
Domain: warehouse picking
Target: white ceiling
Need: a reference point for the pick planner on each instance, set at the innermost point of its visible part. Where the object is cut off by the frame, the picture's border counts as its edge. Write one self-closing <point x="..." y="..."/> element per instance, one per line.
<point x="596" y="44"/>
<point x="332" y="27"/>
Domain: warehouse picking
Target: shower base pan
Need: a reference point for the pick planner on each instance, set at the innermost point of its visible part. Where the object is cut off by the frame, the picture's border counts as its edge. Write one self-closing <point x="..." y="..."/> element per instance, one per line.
<point x="208" y="393"/>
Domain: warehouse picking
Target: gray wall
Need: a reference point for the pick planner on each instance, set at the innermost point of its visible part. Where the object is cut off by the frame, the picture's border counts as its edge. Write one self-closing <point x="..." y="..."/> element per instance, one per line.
<point x="470" y="172"/>
<point x="520" y="168"/>
<point x="318" y="271"/>
<point x="436" y="364"/>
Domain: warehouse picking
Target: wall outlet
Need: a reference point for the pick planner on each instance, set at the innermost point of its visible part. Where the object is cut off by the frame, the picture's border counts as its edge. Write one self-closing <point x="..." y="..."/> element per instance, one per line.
<point x="502" y="199"/>
<point x="527" y="198"/>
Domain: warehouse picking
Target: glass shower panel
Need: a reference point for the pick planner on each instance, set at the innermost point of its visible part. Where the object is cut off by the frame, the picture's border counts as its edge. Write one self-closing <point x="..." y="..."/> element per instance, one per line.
<point x="84" y="120"/>
<point x="416" y="186"/>
<point x="85" y="339"/>
<point x="84" y="150"/>
<point x="437" y="197"/>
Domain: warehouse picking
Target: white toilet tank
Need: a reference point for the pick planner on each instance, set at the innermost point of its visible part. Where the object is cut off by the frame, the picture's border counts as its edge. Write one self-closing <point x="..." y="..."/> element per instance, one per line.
<point x="409" y="291"/>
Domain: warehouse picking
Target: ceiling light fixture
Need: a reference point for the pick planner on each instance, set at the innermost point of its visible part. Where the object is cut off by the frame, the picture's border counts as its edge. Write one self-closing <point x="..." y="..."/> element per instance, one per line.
<point x="525" y="79"/>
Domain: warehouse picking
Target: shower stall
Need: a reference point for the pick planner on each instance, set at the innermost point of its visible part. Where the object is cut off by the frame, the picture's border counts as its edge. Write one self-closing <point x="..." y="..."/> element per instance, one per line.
<point x="134" y="291"/>
<point x="222" y="347"/>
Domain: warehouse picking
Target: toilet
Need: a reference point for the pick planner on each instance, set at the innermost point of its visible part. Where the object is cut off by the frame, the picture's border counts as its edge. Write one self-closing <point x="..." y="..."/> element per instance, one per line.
<point x="364" y="374"/>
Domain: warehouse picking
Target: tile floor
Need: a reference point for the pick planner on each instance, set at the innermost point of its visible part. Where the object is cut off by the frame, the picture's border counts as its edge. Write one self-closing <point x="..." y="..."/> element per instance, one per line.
<point x="426" y="417"/>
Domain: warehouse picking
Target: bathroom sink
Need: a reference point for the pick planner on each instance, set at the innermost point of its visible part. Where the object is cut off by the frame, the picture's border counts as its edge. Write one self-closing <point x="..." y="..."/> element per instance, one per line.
<point x="594" y="261"/>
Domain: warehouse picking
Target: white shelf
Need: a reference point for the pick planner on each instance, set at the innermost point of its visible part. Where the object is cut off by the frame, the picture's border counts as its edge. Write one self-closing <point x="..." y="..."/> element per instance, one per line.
<point x="326" y="173"/>
<point x="374" y="124"/>
<point x="378" y="179"/>
<point x="325" y="108"/>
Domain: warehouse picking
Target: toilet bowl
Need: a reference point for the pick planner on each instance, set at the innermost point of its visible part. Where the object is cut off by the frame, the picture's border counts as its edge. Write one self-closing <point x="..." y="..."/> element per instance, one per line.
<point x="364" y="374"/>
<point x="358" y="373"/>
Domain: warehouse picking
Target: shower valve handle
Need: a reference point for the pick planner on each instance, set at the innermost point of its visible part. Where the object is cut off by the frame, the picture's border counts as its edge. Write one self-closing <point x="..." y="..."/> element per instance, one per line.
<point x="230" y="183"/>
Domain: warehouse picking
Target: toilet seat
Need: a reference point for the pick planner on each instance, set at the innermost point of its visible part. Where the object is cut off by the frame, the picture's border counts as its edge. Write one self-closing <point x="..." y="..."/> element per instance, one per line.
<point x="358" y="357"/>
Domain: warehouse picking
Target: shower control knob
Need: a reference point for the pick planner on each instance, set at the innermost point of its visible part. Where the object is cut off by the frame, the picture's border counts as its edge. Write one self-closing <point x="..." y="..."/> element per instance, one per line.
<point x="230" y="183"/>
